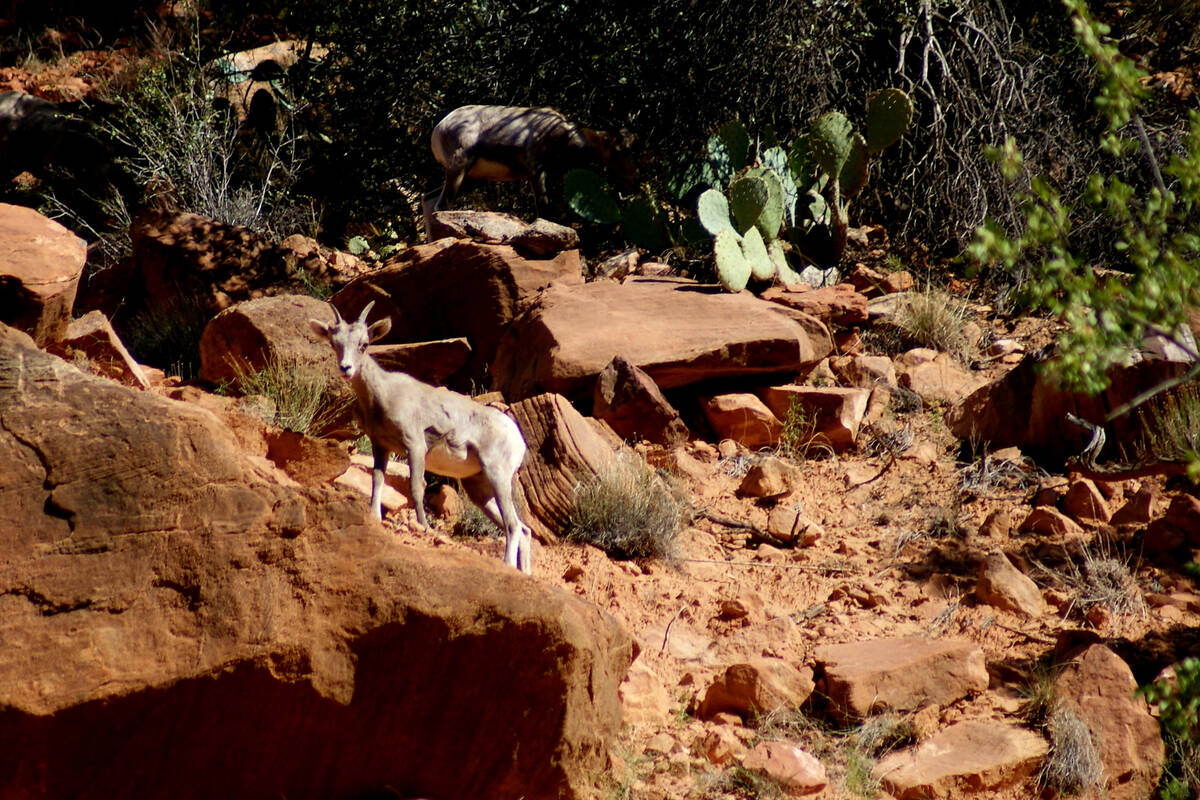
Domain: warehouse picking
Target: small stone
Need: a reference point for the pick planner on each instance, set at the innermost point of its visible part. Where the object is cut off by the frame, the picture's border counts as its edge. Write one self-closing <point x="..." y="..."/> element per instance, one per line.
<point x="796" y="771"/>
<point x="770" y="477"/>
<point x="445" y="502"/>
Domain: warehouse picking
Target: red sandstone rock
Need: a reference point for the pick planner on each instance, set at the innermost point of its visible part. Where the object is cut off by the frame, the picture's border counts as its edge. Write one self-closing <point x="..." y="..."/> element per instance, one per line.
<point x="40" y="265"/>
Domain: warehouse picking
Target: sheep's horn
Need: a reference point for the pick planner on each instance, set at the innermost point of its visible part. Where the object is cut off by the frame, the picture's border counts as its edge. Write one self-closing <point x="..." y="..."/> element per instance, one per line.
<point x="337" y="318"/>
<point x="366" y="310"/>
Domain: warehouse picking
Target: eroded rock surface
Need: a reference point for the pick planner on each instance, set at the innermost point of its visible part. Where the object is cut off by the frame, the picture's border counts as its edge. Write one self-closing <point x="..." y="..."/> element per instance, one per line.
<point x="182" y="620"/>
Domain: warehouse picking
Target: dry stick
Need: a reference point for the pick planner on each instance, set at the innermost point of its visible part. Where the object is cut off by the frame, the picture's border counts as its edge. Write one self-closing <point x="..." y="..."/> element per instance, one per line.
<point x="1037" y="637"/>
<point x="756" y="533"/>
<point x="768" y="565"/>
<point x="878" y="475"/>
<point x="667" y="632"/>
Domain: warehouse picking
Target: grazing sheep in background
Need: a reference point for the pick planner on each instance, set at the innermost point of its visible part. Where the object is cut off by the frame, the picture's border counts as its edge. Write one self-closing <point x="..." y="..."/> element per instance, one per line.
<point x="440" y="431"/>
<point x="510" y="143"/>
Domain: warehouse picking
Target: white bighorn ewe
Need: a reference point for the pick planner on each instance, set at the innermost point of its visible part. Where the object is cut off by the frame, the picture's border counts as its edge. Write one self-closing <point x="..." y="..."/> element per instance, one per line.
<point x="510" y="143"/>
<point x="442" y="431"/>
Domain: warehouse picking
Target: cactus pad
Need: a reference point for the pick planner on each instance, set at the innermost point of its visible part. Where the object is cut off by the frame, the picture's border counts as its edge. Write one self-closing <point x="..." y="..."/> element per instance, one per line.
<point x="783" y="270"/>
<point x="737" y="143"/>
<point x="713" y="210"/>
<point x="889" y="113"/>
<point x="587" y="196"/>
<point x="854" y="172"/>
<point x="733" y="271"/>
<point x="762" y="268"/>
<point x="748" y="196"/>
<point x="830" y="139"/>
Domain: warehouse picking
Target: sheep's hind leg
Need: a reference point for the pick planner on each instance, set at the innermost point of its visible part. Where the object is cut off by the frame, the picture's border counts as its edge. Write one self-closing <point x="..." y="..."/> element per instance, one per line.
<point x="518" y="550"/>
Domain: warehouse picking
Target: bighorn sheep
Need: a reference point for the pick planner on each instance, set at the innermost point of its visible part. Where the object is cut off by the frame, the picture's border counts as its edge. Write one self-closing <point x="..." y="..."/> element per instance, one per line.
<point x="509" y="143"/>
<point x="441" y="431"/>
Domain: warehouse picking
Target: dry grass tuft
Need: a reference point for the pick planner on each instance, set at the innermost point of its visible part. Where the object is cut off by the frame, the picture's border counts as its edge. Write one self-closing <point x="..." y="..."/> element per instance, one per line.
<point x="1073" y="766"/>
<point x="306" y="400"/>
<point x="629" y="511"/>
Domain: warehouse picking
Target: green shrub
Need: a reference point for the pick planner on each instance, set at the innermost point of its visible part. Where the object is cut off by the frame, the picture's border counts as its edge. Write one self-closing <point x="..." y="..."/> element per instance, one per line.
<point x="194" y="156"/>
<point x="1178" y="701"/>
<point x="1148" y="203"/>
<point x="627" y="510"/>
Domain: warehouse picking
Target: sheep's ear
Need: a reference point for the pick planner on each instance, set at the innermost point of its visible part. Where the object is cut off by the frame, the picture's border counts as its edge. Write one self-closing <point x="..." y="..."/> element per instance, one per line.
<point x="319" y="328"/>
<point x="379" y="329"/>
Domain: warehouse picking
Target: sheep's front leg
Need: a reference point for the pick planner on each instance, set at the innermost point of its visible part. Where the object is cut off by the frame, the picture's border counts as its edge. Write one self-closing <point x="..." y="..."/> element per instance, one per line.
<point x="416" y="478"/>
<point x="381" y="455"/>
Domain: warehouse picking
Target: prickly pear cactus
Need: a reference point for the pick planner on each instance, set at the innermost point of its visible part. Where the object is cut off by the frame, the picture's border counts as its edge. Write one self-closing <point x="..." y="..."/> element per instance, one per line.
<point x="733" y="271"/>
<point x="783" y="271"/>
<point x="889" y="113"/>
<point x="830" y="139"/>
<point x="713" y="210"/>
<point x="748" y="196"/>
<point x="770" y="217"/>
<point x="762" y="268"/>
<point x="853" y="176"/>
<point x="776" y="160"/>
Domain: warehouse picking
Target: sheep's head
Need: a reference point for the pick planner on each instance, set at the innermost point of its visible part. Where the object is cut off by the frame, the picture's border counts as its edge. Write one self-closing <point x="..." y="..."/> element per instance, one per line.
<point x="350" y="339"/>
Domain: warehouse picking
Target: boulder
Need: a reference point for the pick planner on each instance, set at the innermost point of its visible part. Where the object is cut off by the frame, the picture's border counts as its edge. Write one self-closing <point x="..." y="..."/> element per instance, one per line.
<point x="864" y="372"/>
<point x="93" y="337"/>
<point x="863" y="678"/>
<point x="1099" y="688"/>
<point x="539" y="238"/>
<point x="457" y="288"/>
<point x="840" y="304"/>
<point x="1084" y="503"/>
<point x="180" y="620"/>
<point x="1051" y="521"/>
<point x="757" y="687"/>
<point x="40" y="265"/>
<point x="964" y="759"/>
<point x="186" y="259"/>
<point x="433" y="362"/>
<point x="1026" y="408"/>
<point x="789" y="525"/>
<point x="632" y="404"/>
<point x="829" y="415"/>
<point x="937" y="379"/>
<point x="565" y="448"/>
<point x="254" y="333"/>
<point x="769" y="477"/>
<point x="743" y="418"/>
<point x="1004" y="586"/>
<point x="678" y="331"/>
<point x="796" y="771"/>
<point x="1183" y="514"/>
